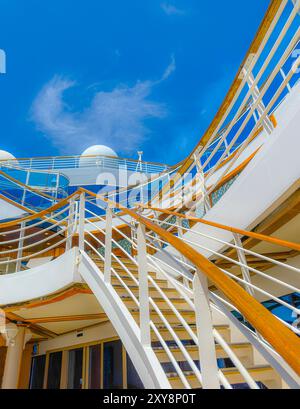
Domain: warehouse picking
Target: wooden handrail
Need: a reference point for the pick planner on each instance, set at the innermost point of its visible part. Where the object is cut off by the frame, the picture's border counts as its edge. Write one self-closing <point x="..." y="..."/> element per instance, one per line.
<point x="275" y="332"/>
<point x="38" y="215"/>
<point x="257" y="236"/>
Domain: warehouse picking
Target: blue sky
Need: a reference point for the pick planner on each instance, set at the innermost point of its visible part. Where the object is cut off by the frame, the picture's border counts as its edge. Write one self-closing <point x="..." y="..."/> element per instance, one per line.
<point x="134" y="74"/>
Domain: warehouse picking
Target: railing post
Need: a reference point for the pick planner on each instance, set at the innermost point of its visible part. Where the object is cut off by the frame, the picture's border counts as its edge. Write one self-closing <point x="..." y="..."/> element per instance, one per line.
<point x="108" y="245"/>
<point x="207" y="205"/>
<point x="160" y="244"/>
<point x="243" y="260"/>
<point x="81" y="221"/>
<point x="204" y="325"/>
<point x="70" y="227"/>
<point x="260" y="108"/>
<point x="179" y="221"/>
<point x="20" y="246"/>
<point x="284" y="77"/>
<point x="143" y="286"/>
<point x="24" y="190"/>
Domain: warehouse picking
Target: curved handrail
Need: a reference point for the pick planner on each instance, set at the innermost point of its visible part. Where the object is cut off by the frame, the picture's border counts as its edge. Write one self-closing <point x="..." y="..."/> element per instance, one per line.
<point x="37" y="215"/>
<point x="257" y="236"/>
<point x="276" y="333"/>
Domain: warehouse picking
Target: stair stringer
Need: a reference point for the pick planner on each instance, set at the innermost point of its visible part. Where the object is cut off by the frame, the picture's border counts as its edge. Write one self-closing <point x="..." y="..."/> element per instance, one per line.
<point x="143" y="357"/>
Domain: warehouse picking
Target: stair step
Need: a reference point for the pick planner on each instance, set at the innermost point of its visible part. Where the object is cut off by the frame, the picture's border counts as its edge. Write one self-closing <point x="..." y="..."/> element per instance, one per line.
<point x="243" y="351"/>
<point x="188" y="315"/>
<point x="170" y="292"/>
<point x="265" y="374"/>
<point x="128" y="280"/>
<point x="179" y="303"/>
<point x="181" y="332"/>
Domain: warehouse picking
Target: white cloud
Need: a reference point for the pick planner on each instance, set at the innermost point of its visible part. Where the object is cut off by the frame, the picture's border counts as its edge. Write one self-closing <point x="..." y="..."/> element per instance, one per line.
<point x="171" y="10"/>
<point x="170" y="69"/>
<point x="115" y="118"/>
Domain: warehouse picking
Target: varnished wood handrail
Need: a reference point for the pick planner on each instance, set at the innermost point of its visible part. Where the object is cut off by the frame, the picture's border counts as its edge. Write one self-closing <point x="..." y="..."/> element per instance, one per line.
<point x="282" y="339"/>
<point x="41" y="214"/>
<point x="258" y="236"/>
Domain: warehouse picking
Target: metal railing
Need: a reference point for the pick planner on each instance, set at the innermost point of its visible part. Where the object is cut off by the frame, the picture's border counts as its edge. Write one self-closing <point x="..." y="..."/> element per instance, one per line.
<point x="147" y="252"/>
<point x="93" y="161"/>
<point x="137" y="254"/>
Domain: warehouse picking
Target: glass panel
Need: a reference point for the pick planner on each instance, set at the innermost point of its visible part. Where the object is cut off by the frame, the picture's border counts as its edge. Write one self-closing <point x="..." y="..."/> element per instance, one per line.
<point x="112" y="365"/>
<point x="75" y="369"/>
<point x="54" y="370"/>
<point x="37" y="372"/>
<point x="133" y="379"/>
<point x="94" y="366"/>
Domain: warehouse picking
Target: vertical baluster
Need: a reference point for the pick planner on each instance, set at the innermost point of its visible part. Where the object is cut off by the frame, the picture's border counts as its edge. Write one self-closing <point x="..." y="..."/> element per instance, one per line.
<point x="70" y="225"/>
<point x="81" y="221"/>
<point x="284" y="77"/>
<point x="260" y="107"/>
<point x="179" y="222"/>
<point x="24" y="189"/>
<point x="143" y="286"/>
<point x="108" y="246"/>
<point x="204" y="325"/>
<point x="242" y="259"/>
<point x="206" y="199"/>
<point x="20" y="246"/>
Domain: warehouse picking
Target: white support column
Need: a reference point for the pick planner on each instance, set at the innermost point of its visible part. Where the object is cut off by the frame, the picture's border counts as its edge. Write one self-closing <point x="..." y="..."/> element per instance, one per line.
<point x="81" y="221"/>
<point x="20" y="246"/>
<point x="143" y="286"/>
<point x="16" y="337"/>
<point x="204" y="325"/>
<point x="108" y="246"/>
<point x="243" y="260"/>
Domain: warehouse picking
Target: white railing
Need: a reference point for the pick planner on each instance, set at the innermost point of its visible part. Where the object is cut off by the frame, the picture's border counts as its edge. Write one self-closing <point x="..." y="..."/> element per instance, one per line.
<point x="93" y="161"/>
<point x="160" y="288"/>
<point x="265" y="81"/>
<point x="37" y="235"/>
<point x="146" y="255"/>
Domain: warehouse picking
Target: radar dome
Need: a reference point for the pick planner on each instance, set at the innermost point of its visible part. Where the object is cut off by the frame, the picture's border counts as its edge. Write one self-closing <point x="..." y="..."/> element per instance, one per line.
<point x="99" y="150"/>
<point x="6" y="155"/>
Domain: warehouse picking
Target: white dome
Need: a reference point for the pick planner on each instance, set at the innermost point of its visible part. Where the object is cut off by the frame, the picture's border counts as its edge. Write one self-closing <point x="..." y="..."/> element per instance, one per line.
<point x="6" y="155"/>
<point x="99" y="150"/>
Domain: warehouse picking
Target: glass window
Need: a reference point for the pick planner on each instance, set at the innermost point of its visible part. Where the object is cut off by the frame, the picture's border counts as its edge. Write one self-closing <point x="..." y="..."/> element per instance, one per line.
<point x="37" y="372"/>
<point x="75" y="363"/>
<point x="133" y="379"/>
<point x="94" y="366"/>
<point x="112" y="365"/>
<point x="54" y="370"/>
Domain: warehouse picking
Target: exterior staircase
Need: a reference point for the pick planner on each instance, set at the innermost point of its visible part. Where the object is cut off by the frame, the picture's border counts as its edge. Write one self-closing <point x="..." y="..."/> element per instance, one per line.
<point x="262" y="373"/>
